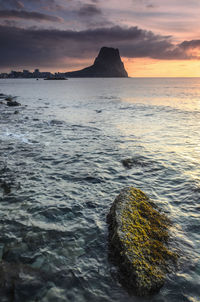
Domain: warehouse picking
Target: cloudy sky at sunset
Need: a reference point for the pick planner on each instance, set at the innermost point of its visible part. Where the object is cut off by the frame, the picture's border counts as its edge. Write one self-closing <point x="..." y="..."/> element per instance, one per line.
<point x="155" y="37"/>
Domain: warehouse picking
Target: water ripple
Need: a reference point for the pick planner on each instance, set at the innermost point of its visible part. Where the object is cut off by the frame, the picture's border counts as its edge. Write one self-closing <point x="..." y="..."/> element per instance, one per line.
<point x="63" y="162"/>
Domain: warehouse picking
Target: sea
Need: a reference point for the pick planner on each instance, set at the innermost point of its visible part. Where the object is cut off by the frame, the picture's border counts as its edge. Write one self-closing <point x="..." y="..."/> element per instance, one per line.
<point x="61" y="167"/>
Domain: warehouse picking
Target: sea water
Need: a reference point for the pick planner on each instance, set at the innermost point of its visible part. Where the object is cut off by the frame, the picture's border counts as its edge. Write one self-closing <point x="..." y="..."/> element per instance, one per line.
<point x="61" y="155"/>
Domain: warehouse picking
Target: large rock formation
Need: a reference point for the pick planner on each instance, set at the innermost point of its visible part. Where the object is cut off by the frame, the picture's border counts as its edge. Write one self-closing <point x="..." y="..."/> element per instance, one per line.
<point x="107" y="64"/>
<point x="138" y="236"/>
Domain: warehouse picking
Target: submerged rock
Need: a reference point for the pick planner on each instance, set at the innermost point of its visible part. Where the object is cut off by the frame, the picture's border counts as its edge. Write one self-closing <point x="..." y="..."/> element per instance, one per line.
<point x="138" y="237"/>
<point x="12" y="103"/>
<point x="139" y="161"/>
<point x="9" y="101"/>
<point x="6" y="187"/>
<point x="135" y="162"/>
<point x="19" y="282"/>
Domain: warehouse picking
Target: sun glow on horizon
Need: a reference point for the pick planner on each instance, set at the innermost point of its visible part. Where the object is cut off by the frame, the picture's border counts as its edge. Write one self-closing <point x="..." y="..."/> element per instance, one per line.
<point x="137" y="67"/>
<point x="146" y="67"/>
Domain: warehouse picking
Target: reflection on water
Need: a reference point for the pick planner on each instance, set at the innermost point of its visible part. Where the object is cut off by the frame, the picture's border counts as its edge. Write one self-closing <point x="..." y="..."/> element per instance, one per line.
<point x="62" y="158"/>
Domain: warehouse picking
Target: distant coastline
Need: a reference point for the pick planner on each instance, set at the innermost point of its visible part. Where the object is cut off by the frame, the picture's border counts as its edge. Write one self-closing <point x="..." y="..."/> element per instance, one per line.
<point x="26" y="74"/>
<point x="108" y="64"/>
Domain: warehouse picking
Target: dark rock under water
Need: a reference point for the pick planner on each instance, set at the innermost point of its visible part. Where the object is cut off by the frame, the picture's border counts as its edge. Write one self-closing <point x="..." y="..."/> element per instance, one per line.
<point x="13" y="103"/>
<point x="9" y="101"/>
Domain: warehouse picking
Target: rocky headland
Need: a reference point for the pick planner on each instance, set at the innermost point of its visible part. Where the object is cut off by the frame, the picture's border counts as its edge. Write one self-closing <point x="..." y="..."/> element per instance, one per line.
<point x="107" y="64"/>
<point x="138" y="242"/>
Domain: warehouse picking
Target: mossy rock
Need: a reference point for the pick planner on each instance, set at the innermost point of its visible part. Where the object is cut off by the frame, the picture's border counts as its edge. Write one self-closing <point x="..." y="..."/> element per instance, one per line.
<point x="138" y="237"/>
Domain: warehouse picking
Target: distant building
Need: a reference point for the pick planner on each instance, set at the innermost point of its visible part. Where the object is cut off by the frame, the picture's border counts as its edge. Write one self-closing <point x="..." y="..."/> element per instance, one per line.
<point x="26" y="74"/>
<point x="15" y="74"/>
<point x="3" y="75"/>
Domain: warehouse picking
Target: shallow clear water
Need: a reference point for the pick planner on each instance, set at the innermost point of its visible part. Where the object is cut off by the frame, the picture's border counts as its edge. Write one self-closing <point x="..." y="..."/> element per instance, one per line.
<point x="62" y="156"/>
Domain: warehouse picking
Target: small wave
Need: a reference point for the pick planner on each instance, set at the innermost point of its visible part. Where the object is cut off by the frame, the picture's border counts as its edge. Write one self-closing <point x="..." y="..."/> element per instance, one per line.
<point x="56" y="122"/>
<point x="82" y="179"/>
<point x="84" y="128"/>
<point x="112" y="97"/>
<point x="126" y="108"/>
<point x="16" y="136"/>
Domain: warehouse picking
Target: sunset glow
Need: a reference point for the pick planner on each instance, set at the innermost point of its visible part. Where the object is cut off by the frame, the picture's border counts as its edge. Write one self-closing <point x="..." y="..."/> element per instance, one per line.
<point x="157" y="68"/>
<point x="155" y="38"/>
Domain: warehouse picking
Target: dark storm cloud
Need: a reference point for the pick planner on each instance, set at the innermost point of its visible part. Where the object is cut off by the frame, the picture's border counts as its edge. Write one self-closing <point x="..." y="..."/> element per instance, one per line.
<point x="22" y="14"/>
<point x="30" y="47"/>
<point x="150" y="6"/>
<point x="51" y="5"/>
<point x="88" y="10"/>
<point x="190" y="44"/>
<point x="77" y="11"/>
<point x="11" y="4"/>
<point x="91" y="16"/>
<point x="19" y="4"/>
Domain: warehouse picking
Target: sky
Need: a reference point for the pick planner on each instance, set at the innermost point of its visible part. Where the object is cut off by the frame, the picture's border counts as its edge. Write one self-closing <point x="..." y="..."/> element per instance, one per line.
<point x="155" y="37"/>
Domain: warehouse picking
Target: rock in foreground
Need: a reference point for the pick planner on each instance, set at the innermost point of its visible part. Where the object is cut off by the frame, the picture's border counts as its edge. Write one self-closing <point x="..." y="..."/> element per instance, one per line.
<point x="138" y="235"/>
<point x="11" y="102"/>
<point x="107" y="64"/>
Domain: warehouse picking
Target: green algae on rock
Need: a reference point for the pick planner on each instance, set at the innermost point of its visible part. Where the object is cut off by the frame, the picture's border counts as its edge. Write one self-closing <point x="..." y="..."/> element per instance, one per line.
<point x="138" y="237"/>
